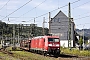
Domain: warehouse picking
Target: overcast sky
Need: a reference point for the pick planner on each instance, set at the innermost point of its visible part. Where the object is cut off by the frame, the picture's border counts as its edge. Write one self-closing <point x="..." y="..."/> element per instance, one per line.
<point x="26" y="10"/>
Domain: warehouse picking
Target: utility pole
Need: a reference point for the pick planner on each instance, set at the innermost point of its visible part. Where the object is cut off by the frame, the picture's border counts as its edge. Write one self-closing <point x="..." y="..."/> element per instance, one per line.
<point x="43" y="25"/>
<point x="83" y="37"/>
<point x="33" y="30"/>
<point x="2" y="41"/>
<point x="6" y="33"/>
<point x="69" y="17"/>
<point x="49" y="22"/>
<point x="13" y="34"/>
<point x="2" y="38"/>
<point x="34" y="20"/>
<point x="29" y="32"/>
<point x="14" y="47"/>
<point x="21" y="30"/>
<point x="18" y="32"/>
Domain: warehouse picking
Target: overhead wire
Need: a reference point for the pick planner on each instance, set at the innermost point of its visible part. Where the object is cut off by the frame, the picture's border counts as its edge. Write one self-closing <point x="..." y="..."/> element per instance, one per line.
<point x="82" y="17"/>
<point x="83" y="24"/>
<point x="50" y="11"/>
<point x="17" y="9"/>
<point x="81" y="14"/>
<point x="33" y="8"/>
<point x="75" y="1"/>
<point x="47" y="12"/>
<point x="84" y="13"/>
<point x="57" y="9"/>
<point x="81" y="5"/>
<point x="4" y="5"/>
<point x="37" y="6"/>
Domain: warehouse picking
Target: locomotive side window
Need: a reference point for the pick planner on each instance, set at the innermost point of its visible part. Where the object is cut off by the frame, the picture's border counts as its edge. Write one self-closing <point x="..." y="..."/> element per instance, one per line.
<point x="50" y="40"/>
<point x="53" y="40"/>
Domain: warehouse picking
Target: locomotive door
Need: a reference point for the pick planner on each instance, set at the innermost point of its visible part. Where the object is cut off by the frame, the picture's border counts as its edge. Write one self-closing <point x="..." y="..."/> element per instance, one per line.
<point x="41" y="43"/>
<point x="29" y="44"/>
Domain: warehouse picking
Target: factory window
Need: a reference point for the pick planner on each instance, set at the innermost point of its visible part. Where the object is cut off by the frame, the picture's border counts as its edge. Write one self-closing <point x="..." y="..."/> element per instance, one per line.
<point x="54" y="19"/>
<point x="58" y="19"/>
<point x="58" y="28"/>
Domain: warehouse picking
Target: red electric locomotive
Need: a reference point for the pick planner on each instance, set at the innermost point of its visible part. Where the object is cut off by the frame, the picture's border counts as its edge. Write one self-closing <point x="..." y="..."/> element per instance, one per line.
<point x="43" y="44"/>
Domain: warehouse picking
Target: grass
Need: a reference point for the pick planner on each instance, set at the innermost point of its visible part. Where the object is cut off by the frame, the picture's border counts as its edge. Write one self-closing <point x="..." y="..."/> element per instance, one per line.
<point x="24" y="55"/>
<point x="76" y="52"/>
<point x="6" y="57"/>
<point x="29" y="56"/>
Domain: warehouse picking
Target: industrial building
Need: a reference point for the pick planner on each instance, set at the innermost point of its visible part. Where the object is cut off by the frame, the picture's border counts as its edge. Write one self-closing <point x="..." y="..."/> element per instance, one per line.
<point x="59" y="25"/>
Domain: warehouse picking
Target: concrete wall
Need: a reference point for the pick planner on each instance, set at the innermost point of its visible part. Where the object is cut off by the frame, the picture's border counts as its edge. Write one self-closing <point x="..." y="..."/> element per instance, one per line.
<point x="64" y="43"/>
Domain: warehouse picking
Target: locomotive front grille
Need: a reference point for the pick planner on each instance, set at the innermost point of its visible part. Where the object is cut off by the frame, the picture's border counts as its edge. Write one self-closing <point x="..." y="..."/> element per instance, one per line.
<point x="53" y="50"/>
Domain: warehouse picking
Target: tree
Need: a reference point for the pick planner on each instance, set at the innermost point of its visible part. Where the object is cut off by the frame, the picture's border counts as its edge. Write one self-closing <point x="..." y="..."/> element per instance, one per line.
<point x="80" y="41"/>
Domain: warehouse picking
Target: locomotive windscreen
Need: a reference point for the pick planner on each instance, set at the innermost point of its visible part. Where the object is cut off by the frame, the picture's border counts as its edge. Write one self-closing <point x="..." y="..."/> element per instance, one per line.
<point x="53" y="39"/>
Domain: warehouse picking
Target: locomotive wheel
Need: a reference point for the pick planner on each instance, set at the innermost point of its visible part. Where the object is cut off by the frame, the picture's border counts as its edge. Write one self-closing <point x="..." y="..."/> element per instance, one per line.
<point x="49" y="54"/>
<point x="37" y="51"/>
<point x="45" y="53"/>
<point x="41" y="52"/>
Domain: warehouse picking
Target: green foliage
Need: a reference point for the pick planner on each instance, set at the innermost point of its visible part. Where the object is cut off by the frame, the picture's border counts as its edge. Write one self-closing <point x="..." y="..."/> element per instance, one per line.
<point x="23" y="55"/>
<point x="23" y="30"/>
<point x="4" y="56"/>
<point x="75" y="52"/>
<point x="81" y="41"/>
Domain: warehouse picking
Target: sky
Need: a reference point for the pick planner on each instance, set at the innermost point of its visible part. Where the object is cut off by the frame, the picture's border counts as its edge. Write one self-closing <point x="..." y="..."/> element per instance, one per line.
<point x="17" y="11"/>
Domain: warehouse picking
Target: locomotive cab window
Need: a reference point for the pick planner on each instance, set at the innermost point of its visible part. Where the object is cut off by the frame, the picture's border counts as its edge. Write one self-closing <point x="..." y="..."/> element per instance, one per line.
<point x="53" y="40"/>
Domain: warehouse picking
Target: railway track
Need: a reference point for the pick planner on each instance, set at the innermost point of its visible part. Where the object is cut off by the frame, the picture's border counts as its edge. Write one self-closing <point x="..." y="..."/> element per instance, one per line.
<point x="7" y="55"/>
<point x="68" y="57"/>
<point x="60" y="57"/>
<point x="64" y="57"/>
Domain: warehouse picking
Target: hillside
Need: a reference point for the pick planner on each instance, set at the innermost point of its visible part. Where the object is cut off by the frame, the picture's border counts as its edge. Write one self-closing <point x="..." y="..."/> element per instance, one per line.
<point x="23" y="30"/>
<point x="85" y="31"/>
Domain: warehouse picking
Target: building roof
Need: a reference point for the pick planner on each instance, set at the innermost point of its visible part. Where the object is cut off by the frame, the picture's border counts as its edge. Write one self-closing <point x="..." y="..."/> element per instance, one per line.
<point x="59" y="13"/>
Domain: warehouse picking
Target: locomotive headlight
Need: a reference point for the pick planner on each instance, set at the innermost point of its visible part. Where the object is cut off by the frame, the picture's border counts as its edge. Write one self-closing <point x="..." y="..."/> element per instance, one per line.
<point x="57" y="48"/>
<point x="57" y="44"/>
<point x="50" y="45"/>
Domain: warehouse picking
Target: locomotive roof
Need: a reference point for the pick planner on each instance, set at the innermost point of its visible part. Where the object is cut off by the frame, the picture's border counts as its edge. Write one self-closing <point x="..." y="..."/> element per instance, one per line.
<point x="41" y="37"/>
